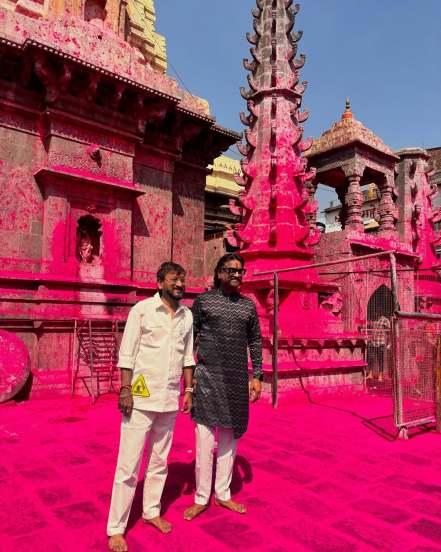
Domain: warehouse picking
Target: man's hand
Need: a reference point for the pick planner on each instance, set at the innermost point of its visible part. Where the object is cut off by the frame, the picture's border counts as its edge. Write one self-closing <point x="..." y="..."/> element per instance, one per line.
<point x="255" y="389"/>
<point x="187" y="403"/>
<point x="125" y="403"/>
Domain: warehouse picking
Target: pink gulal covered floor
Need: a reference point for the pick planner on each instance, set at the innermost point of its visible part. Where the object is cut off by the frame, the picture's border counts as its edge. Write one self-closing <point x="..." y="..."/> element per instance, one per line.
<point x="322" y="476"/>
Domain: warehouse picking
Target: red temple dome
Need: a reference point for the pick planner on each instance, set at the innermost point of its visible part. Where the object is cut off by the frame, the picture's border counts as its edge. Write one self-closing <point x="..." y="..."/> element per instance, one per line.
<point x="347" y="131"/>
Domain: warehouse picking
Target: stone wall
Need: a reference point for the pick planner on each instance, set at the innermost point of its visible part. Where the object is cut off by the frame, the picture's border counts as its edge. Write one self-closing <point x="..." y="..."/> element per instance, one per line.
<point x="102" y="166"/>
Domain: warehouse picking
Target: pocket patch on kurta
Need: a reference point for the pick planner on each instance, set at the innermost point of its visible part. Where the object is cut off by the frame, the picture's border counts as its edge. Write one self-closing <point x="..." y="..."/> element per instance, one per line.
<point x="139" y="388"/>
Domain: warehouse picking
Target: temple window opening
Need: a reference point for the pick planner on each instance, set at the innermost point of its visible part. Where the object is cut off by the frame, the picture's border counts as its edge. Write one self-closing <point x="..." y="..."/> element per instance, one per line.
<point x="95" y="11"/>
<point x="329" y="214"/>
<point x="88" y="239"/>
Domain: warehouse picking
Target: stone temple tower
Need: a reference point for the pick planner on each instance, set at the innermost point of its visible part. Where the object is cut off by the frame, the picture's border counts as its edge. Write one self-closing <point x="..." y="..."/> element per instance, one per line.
<point x="278" y="207"/>
<point x="275" y="197"/>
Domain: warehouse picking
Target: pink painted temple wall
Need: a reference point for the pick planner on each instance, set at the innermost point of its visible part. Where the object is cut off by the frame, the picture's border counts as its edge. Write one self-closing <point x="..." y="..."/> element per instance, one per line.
<point x="102" y="166"/>
<point x="102" y="173"/>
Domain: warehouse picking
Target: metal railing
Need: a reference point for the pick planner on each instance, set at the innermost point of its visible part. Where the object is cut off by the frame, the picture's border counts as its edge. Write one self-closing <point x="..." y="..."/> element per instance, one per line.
<point x="96" y="356"/>
<point x="275" y="274"/>
<point x="416" y="369"/>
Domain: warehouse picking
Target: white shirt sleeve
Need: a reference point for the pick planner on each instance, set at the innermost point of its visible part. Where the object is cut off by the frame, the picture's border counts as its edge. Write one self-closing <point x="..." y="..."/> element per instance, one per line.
<point x="188" y="351"/>
<point x="130" y="342"/>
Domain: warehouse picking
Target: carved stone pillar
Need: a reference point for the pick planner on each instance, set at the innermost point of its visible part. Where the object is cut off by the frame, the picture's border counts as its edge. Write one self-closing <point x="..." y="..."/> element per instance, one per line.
<point x="341" y="194"/>
<point x="387" y="208"/>
<point x="354" y="199"/>
<point x="312" y="206"/>
<point x="122" y="19"/>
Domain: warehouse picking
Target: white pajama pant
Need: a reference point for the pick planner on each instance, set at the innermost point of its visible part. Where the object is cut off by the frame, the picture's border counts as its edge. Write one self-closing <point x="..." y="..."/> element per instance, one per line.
<point x="226" y="453"/>
<point x="158" y="426"/>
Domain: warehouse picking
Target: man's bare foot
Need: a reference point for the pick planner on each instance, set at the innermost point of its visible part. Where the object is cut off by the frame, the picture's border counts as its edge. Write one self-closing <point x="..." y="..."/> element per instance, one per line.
<point x="230" y="505"/>
<point x="194" y="511"/>
<point x="162" y="524"/>
<point x="118" y="543"/>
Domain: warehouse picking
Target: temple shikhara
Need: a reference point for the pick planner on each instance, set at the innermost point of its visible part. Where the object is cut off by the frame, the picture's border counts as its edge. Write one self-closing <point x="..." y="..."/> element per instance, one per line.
<point x="108" y="167"/>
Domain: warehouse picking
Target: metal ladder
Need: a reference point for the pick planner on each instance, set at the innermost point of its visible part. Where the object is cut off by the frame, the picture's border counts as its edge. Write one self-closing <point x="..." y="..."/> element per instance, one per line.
<point x="96" y="356"/>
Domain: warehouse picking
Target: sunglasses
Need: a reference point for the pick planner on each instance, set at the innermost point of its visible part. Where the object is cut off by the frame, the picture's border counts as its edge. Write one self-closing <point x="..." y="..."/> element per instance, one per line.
<point x="231" y="271"/>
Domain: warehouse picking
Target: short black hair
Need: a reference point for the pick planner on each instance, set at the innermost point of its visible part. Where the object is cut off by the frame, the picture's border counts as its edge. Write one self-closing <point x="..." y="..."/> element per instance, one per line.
<point x="169" y="266"/>
<point x="222" y="262"/>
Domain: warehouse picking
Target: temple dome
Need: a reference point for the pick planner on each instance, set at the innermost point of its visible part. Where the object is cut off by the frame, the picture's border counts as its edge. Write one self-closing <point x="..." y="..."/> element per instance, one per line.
<point x="347" y="131"/>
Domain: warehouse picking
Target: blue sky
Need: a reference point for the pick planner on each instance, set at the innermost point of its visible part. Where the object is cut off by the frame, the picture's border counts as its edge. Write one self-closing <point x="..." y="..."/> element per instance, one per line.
<point x="384" y="54"/>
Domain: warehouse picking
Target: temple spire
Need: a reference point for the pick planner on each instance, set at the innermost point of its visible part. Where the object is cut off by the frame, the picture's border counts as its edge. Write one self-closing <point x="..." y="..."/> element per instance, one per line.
<point x="274" y="196"/>
<point x="347" y="115"/>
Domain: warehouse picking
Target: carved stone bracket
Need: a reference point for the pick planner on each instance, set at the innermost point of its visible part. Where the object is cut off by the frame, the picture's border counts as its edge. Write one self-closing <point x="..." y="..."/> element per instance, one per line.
<point x="115" y="100"/>
<point x="354" y="168"/>
<point x="213" y="147"/>
<point x="149" y="114"/>
<point x="47" y="75"/>
<point x="90" y="91"/>
<point x="55" y="82"/>
<point x="65" y="77"/>
<point x="186" y="130"/>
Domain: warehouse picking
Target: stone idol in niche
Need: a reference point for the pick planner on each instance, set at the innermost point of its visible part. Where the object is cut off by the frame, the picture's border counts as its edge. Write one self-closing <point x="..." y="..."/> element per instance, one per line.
<point x="89" y="240"/>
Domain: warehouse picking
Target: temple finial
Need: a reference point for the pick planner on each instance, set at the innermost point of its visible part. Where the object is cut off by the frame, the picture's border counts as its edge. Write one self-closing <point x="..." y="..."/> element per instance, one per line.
<point x="347" y="115"/>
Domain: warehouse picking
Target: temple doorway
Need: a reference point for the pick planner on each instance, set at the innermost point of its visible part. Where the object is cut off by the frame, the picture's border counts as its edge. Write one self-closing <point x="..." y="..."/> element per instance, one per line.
<point x="380" y="309"/>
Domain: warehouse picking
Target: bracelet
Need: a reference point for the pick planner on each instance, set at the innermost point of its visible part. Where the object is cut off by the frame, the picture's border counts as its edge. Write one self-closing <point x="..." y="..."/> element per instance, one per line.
<point x="125" y="387"/>
<point x="125" y="396"/>
<point x="188" y="390"/>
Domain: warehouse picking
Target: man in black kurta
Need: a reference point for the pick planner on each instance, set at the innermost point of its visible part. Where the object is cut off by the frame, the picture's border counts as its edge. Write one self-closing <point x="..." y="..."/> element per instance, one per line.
<point x="226" y="325"/>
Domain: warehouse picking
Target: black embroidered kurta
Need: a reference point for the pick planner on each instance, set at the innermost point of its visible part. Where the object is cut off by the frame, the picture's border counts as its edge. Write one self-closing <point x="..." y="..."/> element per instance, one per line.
<point x="225" y="327"/>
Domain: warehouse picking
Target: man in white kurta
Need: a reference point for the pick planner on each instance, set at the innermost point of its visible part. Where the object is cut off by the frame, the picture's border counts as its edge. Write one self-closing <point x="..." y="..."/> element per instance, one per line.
<point x="157" y="346"/>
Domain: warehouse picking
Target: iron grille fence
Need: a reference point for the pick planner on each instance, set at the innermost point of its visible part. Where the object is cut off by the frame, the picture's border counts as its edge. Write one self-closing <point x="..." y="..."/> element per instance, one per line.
<point x="368" y="306"/>
<point x="368" y="285"/>
<point x="417" y="354"/>
<point x="402" y="342"/>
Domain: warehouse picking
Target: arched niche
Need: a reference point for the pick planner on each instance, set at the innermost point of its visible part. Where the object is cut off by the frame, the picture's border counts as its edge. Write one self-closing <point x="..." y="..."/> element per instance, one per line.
<point x="95" y="11"/>
<point x="88" y="236"/>
<point x="381" y="303"/>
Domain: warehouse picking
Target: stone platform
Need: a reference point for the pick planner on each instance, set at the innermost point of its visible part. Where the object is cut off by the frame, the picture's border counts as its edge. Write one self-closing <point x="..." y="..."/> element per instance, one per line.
<point x="327" y="476"/>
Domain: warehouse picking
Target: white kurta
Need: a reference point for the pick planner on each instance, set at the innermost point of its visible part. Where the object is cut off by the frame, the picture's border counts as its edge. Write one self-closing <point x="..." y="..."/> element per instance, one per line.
<point x="157" y="347"/>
